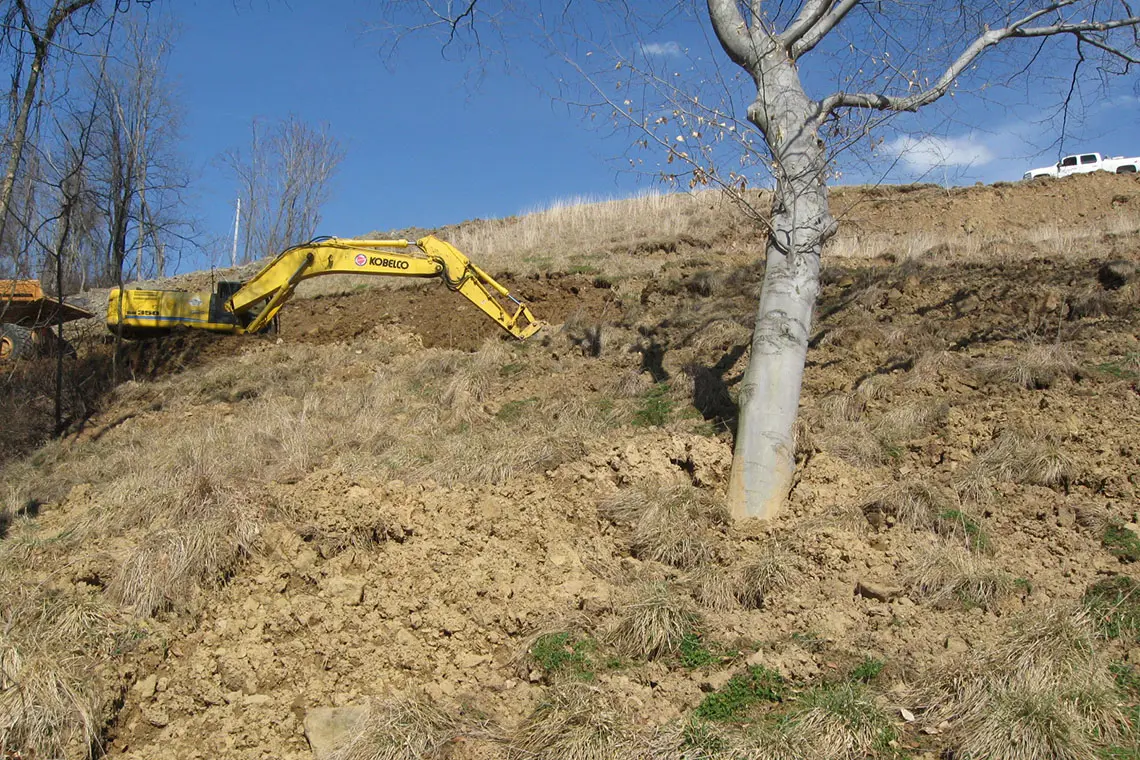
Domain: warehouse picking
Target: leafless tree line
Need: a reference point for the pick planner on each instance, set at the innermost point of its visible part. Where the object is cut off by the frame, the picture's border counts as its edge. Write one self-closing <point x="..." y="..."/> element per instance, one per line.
<point x="93" y="188"/>
<point x="284" y="180"/>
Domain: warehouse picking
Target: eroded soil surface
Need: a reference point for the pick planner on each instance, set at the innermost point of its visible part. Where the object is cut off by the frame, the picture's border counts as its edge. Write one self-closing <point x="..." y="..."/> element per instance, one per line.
<point x="365" y="584"/>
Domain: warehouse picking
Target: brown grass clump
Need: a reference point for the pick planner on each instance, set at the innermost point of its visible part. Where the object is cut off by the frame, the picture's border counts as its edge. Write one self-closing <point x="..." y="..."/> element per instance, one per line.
<point x="473" y="379"/>
<point x="49" y="706"/>
<point x="1044" y="691"/>
<point x="950" y="575"/>
<point x="839" y="721"/>
<point x="670" y="523"/>
<point x="914" y="503"/>
<point x="575" y="722"/>
<point x="771" y="569"/>
<point x="1017" y="458"/>
<point x="713" y="587"/>
<point x="208" y="530"/>
<point x="843" y="426"/>
<point x="1035" y="368"/>
<point x="929" y="366"/>
<point x="51" y="688"/>
<point x="688" y="740"/>
<point x="905" y="422"/>
<point x="409" y="728"/>
<point x="719" y="335"/>
<point x="655" y="623"/>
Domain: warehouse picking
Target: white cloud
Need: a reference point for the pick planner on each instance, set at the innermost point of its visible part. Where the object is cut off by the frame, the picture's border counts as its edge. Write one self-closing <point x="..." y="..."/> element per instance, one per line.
<point x="921" y="154"/>
<point x="661" y="48"/>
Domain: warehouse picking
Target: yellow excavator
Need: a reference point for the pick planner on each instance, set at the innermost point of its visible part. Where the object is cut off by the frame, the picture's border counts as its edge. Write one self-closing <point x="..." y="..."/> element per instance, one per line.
<point x="250" y="306"/>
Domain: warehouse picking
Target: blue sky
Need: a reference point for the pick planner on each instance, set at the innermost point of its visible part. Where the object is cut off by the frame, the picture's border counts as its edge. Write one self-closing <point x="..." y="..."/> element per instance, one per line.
<point x="428" y="142"/>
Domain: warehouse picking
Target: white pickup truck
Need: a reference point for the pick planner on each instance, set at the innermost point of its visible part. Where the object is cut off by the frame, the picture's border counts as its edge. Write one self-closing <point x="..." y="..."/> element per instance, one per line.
<point x="1083" y="164"/>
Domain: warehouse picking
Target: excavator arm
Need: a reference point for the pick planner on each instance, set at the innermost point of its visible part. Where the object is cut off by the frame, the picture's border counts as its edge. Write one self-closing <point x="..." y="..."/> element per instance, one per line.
<point x="256" y="302"/>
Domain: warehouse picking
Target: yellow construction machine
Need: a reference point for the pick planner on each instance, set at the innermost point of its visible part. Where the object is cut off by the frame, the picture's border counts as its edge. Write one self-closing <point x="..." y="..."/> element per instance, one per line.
<point x="27" y="317"/>
<point x="250" y="306"/>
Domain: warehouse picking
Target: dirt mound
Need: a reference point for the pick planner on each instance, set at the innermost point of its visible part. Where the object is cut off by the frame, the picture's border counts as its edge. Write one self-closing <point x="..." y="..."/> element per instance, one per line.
<point x="1023" y="207"/>
<point x="399" y="512"/>
<point x="439" y="317"/>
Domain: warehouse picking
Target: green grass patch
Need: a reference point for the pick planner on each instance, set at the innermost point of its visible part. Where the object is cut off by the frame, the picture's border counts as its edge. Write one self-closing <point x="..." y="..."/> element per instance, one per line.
<point x="755" y="685"/>
<point x="700" y="741"/>
<point x="654" y="408"/>
<point x="696" y="653"/>
<point x="512" y="369"/>
<point x="954" y="522"/>
<point x="1127" y="678"/>
<point x="1127" y="368"/>
<point x="562" y="652"/>
<point x="1114" y="605"/>
<point x="867" y="670"/>
<point x="514" y="410"/>
<point x="1121" y="542"/>
<point x="584" y="269"/>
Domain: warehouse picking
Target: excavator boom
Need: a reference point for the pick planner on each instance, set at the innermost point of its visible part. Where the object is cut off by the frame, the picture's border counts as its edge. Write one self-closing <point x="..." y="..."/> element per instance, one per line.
<point x="251" y="306"/>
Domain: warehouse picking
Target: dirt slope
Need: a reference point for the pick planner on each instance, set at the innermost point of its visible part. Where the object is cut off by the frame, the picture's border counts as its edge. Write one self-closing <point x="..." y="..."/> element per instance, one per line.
<point x="968" y="442"/>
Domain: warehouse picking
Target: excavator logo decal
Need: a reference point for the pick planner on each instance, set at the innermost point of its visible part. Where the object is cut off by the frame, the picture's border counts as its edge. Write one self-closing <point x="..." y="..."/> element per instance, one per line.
<point x="378" y="261"/>
<point x="361" y="259"/>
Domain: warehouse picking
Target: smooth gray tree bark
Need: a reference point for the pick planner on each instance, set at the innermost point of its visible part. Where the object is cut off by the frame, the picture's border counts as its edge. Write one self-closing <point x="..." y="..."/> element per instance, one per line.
<point x="801" y="222"/>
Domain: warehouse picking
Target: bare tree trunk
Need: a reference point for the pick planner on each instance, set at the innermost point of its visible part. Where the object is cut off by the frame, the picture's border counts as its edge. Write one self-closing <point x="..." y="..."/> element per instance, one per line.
<point x="764" y="460"/>
<point x="42" y="41"/>
<point x="20" y="134"/>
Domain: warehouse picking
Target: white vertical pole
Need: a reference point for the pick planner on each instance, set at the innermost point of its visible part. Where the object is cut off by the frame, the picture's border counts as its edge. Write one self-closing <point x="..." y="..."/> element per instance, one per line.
<point x="237" y="220"/>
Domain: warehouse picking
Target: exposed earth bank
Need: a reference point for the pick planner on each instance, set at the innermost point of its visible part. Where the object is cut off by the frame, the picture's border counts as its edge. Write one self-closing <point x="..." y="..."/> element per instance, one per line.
<point x="413" y="508"/>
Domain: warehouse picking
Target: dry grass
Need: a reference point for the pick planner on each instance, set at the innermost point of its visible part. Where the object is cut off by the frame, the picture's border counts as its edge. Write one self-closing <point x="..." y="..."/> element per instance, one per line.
<point x="52" y="695"/>
<point x="905" y="422"/>
<point x="574" y="722"/>
<point x="688" y="740"/>
<point x="769" y="570"/>
<point x="1035" y="367"/>
<point x="1045" y="691"/>
<point x="844" y="425"/>
<point x="594" y="234"/>
<point x="835" y="721"/>
<point x="958" y="246"/>
<point x="671" y="524"/>
<point x="954" y="575"/>
<point x="929" y="366"/>
<point x="655" y="623"/>
<point x="409" y="728"/>
<point x="50" y="706"/>
<point x="719" y="335"/>
<point x="916" y="504"/>
<point x="1015" y="457"/>
<point x="838" y="721"/>
<point x="713" y="587"/>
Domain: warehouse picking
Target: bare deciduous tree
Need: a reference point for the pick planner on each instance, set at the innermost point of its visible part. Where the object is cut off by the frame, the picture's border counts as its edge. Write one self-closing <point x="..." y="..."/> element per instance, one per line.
<point x="867" y="56"/>
<point x="34" y="42"/>
<point x="284" y="179"/>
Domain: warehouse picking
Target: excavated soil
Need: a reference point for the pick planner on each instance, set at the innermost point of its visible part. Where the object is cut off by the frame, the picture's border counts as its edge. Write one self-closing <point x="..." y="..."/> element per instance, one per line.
<point x="439" y="317"/>
<point x="454" y="580"/>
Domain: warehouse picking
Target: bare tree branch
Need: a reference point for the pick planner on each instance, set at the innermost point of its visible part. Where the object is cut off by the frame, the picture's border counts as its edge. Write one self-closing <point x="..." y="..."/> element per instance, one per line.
<point x="990" y="38"/>
<point x="801" y="42"/>
<point x="732" y="31"/>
